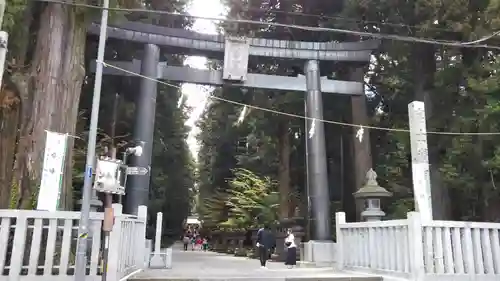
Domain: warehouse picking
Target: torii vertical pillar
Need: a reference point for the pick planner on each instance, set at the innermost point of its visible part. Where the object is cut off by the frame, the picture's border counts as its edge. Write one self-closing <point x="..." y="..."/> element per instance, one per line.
<point x="317" y="177"/>
<point x="138" y="185"/>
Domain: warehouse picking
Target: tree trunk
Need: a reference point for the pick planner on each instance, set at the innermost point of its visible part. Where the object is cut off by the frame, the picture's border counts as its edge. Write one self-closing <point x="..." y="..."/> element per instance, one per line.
<point x="361" y="146"/>
<point x="424" y="71"/>
<point x="284" y="170"/>
<point x="50" y="96"/>
<point x="9" y="120"/>
<point x="11" y="108"/>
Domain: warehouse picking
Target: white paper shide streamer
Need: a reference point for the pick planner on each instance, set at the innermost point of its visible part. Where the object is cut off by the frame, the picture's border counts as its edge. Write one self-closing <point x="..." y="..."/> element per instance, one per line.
<point x="242" y="115"/>
<point x="53" y="169"/>
<point x="312" y="130"/>
<point x="359" y="133"/>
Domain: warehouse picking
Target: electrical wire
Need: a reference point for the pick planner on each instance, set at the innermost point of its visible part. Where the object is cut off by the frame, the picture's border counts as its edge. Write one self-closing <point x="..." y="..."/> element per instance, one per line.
<point x="469" y="44"/>
<point x="483" y="39"/>
<point x="343" y="18"/>
<point x="105" y="64"/>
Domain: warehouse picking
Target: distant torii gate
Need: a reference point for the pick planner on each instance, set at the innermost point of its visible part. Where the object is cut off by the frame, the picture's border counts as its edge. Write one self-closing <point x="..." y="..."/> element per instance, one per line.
<point x="236" y="52"/>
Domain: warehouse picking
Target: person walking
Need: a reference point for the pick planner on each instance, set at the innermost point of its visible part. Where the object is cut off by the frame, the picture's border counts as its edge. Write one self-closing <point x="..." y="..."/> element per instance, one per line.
<point x="265" y="241"/>
<point x="185" y="241"/>
<point x="205" y="244"/>
<point x="193" y="242"/>
<point x="199" y="243"/>
<point x="291" y="254"/>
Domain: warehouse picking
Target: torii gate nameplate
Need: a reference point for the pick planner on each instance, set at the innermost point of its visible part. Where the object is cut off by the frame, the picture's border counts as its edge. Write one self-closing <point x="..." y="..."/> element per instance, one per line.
<point x="235" y="59"/>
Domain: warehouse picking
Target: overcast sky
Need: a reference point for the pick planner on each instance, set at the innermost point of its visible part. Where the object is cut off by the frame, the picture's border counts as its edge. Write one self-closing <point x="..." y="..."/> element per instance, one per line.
<point x="197" y="94"/>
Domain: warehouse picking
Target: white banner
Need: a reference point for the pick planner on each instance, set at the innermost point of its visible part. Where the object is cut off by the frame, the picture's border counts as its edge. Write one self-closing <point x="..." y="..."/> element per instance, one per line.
<point x="53" y="170"/>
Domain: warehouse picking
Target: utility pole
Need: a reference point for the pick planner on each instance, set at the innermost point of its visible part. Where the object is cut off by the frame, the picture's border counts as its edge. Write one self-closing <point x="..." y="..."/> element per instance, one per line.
<point x="4" y="39"/>
<point x="83" y="228"/>
<point x="108" y="197"/>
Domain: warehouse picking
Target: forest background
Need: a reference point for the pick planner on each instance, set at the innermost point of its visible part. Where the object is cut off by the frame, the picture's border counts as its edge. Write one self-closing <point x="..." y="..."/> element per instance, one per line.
<point x="256" y="167"/>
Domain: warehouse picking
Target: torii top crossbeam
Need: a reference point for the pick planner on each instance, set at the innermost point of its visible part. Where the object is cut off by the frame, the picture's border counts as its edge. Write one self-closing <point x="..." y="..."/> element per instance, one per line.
<point x="194" y="43"/>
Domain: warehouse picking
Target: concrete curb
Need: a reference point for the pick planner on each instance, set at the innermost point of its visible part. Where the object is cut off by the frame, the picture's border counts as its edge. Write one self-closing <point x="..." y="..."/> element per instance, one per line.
<point x="303" y="278"/>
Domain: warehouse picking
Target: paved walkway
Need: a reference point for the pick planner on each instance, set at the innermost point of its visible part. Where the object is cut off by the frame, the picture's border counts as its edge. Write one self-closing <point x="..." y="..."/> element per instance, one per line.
<point x="214" y="266"/>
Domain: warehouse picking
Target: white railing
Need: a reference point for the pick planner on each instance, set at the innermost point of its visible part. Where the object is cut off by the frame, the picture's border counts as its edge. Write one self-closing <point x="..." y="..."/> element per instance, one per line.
<point x="436" y="250"/>
<point x="127" y="244"/>
<point x="40" y="245"/>
<point x="376" y="247"/>
<point x="462" y="250"/>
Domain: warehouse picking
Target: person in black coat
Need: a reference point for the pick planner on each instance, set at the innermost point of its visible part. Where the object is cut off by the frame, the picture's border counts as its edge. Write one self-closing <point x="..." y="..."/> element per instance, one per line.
<point x="265" y="241"/>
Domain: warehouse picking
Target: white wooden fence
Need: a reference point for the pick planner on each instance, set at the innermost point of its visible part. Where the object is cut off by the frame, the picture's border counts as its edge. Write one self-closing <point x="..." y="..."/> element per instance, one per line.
<point x="416" y="250"/>
<point x="40" y="245"/>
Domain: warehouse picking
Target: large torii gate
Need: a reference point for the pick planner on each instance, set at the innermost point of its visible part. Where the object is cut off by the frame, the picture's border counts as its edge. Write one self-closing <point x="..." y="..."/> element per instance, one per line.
<point x="236" y="52"/>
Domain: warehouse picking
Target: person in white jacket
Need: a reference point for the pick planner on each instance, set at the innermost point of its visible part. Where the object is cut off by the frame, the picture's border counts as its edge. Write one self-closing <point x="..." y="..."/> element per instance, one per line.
<point x="291" y="254"/>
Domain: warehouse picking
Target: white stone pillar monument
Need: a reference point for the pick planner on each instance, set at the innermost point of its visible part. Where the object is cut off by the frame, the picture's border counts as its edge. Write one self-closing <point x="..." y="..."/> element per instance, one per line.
<point x="420" y="160"/>
<point x="157" y="261"/>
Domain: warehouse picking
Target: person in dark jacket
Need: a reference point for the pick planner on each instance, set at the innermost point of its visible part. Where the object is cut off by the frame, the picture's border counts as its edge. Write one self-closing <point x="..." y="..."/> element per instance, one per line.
<point x="265" y="241"/>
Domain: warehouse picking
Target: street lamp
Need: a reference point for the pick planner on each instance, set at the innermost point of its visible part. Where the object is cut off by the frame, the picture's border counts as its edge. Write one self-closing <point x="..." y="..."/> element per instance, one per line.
<point x="136" y="151"/>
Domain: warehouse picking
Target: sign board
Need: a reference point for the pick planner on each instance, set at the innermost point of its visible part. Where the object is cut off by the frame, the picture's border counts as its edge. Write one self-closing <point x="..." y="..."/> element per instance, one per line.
<point x="138" y="171"/>
<point x="53" y="170"/>
<point x="108" y="175"/>
<point x="236" y="52"/>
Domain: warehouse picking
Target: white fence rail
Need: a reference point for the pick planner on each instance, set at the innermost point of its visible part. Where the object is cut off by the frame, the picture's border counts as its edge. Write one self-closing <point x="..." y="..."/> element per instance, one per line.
<point x="462" y="250"/>
<point x="437" y="250"/>
<point x="127" y="246"/>
<point x="40" y="245"/>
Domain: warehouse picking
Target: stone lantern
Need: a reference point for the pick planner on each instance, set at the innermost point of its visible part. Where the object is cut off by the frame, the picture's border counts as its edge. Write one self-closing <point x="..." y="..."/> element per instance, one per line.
<point x="371" y="193"/>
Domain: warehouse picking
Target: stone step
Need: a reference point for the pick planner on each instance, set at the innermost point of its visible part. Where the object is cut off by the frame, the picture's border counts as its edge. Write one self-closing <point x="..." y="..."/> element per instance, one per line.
<point x="302" y="278"/>
<point x="306" y="264"/>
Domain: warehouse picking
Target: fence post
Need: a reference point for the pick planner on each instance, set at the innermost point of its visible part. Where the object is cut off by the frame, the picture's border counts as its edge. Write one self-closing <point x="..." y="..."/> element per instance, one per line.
<point x="142" y="217"/>
<point x="415" y="240"/>
<point x="148" y="252"/>
<point x="157" y="261"/>
<point x="113" y="271"/>
<point x="339" y="220"/>
<point x="18" y="247"/>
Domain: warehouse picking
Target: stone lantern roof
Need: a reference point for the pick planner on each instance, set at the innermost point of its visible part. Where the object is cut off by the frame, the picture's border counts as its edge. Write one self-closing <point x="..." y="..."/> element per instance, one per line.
<point x="371" y="189"/>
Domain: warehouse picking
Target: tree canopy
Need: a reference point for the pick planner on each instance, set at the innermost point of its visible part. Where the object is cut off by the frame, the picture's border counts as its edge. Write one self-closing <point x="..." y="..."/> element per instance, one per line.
<point x="251" y="163"/>
<point x="49" y="40"/>
<point x="458" y="85"/>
